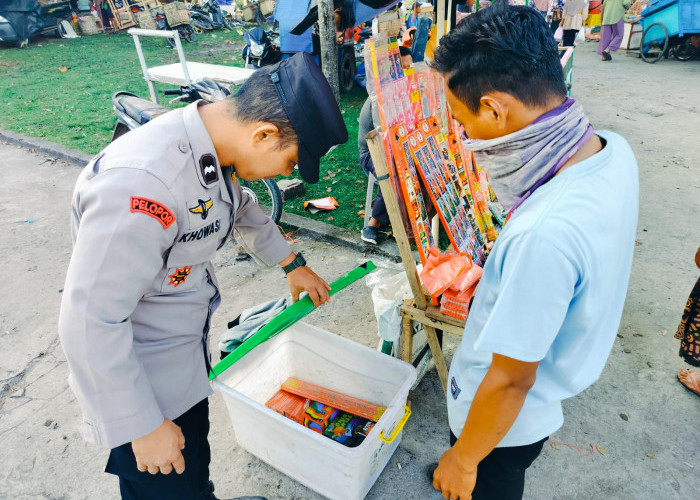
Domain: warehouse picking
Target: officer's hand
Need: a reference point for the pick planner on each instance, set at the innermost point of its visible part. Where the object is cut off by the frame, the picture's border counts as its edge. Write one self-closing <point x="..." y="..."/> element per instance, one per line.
<point x="160" y="451"/>
<point x="303" y="279"/>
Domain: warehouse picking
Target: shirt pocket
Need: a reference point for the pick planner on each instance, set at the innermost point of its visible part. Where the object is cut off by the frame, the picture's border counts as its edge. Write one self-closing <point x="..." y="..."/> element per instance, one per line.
<point x="186" y="262"/>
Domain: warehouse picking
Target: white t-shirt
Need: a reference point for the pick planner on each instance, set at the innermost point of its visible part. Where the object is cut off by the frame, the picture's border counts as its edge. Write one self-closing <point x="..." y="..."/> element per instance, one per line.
<point x="553" y="289"/>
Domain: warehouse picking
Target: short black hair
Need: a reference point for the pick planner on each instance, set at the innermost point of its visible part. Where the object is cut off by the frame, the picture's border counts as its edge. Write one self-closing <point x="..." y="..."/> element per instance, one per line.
<point x="404" y="51"/>
<point x="501" y="48"/>
<point x="257" y="100"/>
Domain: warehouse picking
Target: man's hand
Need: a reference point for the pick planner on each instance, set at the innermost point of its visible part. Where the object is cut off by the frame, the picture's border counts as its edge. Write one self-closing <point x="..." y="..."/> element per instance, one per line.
<point x="160" y="451"/>
<point x="303" y="279"/>
<point x="453" y="478"/>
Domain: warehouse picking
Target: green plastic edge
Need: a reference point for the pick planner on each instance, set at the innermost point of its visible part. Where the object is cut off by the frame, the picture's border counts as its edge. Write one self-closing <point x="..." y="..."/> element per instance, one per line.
<point x="287" y="318"/>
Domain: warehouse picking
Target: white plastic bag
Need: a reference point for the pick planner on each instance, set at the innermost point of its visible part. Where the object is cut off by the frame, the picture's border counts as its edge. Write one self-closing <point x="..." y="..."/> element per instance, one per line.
<point x="581" y="35"/>
<point x="389" y="289"/>
<point x="559" y="34"/>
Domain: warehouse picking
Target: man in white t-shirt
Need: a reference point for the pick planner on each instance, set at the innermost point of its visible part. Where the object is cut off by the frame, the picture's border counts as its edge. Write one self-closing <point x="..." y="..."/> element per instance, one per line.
<point x="549" y="304"/>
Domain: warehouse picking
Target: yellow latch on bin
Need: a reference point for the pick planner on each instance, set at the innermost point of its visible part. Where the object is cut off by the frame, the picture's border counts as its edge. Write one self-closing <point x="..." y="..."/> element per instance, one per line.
<point x="399" y="426"/>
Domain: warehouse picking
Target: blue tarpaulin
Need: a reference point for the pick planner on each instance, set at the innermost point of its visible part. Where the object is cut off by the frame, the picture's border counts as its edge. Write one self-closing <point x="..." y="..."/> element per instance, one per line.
<point x="290" y="12"/>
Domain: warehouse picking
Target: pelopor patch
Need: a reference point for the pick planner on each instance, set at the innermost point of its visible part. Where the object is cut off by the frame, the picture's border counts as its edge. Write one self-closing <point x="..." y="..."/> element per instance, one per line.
<point x="153" y="208"/>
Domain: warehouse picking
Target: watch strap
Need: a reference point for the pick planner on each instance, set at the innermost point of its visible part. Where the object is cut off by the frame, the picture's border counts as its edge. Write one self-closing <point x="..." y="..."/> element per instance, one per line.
<point x="299" y="261"/>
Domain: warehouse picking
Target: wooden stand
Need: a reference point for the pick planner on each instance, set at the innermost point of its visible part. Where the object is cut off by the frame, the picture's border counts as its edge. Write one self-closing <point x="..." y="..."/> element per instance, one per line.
<point x="123" y="18"/>
<point x="418" y="309"/>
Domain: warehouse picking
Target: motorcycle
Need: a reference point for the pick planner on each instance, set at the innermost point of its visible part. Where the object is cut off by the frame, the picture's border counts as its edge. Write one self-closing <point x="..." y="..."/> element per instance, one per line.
<point x="133" y="111"/>
<point x="259" y="50"/>
<point x="208" y="16"/>
<point x="186" y="31"/>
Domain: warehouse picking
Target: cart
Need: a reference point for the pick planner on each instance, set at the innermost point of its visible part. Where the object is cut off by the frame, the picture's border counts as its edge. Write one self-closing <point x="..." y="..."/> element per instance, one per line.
<point x="670" y="23"/>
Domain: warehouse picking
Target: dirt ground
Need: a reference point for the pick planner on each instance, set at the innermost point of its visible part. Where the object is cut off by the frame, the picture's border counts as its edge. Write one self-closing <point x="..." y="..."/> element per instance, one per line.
<point x="642" y="421"/>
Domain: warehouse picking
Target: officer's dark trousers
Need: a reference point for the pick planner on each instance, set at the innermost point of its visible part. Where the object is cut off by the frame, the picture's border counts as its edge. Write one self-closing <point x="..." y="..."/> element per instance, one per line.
<point x="378" y="207"/>
<point x="190" y="485"/>
<point x="501" y="474"/>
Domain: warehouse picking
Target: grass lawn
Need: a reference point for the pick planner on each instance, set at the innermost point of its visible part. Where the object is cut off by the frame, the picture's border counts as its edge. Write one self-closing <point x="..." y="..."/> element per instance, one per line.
<point x="74" y="107"/>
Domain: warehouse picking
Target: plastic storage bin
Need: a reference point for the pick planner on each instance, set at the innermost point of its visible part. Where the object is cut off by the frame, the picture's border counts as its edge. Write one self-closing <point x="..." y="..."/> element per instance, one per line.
<point x="317" y="356"/>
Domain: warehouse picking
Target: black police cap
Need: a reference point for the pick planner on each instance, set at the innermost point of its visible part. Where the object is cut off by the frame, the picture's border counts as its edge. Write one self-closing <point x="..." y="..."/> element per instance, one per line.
<point x="311" y="108"/>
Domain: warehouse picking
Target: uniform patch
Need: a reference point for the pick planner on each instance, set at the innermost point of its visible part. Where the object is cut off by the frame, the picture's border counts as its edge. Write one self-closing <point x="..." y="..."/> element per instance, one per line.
<point x="454" y="388"/>
<point x="202" y="208"/>
<point x="156" y="210"/>
<point x="179" y="276"/>
<point x="207" y="165"/>
<point x="201" y="233"/>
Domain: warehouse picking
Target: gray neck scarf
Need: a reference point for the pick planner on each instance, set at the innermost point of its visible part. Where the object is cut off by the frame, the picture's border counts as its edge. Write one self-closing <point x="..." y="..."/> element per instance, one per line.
<point x="520" y="162"/>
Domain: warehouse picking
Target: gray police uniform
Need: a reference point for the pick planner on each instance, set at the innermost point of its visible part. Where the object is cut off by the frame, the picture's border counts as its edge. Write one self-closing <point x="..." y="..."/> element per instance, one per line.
<point x="148" y="215"/>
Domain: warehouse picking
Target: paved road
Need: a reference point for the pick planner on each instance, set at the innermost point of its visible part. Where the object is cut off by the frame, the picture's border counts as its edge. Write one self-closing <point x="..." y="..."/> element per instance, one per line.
<point x="652" y="453"/>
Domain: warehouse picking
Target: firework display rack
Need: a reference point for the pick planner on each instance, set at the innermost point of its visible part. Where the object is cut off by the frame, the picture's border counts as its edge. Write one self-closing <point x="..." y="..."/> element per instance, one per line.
<point x="421" y="166"/>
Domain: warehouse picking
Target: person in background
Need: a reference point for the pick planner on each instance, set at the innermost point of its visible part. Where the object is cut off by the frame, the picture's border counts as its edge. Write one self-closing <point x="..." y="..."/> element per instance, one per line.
<point x="612" y="30"/>
<point x="557" y="13"/>
<point x="412" y="21"/>
<point x="548" y="307"/>
<point x="542" y="6"/>
<point x="380" y="217"/>
<point x="689" y="333"/>
<point x="575" y="11"/>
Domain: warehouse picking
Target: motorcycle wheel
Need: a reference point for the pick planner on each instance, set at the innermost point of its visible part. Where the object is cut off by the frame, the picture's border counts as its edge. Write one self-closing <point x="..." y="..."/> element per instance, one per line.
<point x="346" y="70"/>
<point x="187" y="32"/>
<point x="170" y="43"/>
<point x="267" y="195"/>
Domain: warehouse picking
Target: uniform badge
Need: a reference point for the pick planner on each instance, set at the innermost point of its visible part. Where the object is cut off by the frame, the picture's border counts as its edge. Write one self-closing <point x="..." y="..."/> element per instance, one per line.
<point x="158" y="211"/>
<point x="454" y="388"/>
<point x="179" y="276"/>
<point x="202" y="208"/>
<point x="207" y="166"/>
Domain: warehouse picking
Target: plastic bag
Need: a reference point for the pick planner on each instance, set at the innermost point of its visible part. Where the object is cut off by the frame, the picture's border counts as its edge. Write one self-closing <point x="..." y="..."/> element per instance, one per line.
<point x="442" y="270"/>
<point x="559" y="34"/>
<point x="467" y="280"/>
<point x="389" y="289"/>
<point x="581" y="35"/>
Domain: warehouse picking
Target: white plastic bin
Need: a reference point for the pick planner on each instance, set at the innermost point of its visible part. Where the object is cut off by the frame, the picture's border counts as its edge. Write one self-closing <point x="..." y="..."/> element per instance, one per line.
<point x="320" y="357"/>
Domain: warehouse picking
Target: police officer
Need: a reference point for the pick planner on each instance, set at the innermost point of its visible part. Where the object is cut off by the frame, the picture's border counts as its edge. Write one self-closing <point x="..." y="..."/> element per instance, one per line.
<point x="148" y="215"/>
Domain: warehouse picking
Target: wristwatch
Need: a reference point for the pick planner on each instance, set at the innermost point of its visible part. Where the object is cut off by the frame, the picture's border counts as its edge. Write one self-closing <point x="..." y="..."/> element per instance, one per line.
<point x="299" y="261"/>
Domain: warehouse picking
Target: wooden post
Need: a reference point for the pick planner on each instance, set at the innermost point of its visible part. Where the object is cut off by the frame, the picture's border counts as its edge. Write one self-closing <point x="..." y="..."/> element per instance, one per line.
<point x="376" y="150"/>
<point x="406" y="337"/>
<point x="329" y="45"/>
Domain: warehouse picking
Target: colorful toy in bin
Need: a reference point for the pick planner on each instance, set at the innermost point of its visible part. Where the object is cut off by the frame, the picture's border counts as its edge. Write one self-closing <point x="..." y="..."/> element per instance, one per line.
<point x="348" y="429"/>
<point x="318" y="415"/>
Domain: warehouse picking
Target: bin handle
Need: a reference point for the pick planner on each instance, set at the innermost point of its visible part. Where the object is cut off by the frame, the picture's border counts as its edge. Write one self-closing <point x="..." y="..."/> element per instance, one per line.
<point x="399" y="426"/>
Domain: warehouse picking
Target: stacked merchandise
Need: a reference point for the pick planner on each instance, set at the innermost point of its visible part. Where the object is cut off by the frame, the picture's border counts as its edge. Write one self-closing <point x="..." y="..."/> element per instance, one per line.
<point x="342" y="418"/>
<point x="425" y="155"/>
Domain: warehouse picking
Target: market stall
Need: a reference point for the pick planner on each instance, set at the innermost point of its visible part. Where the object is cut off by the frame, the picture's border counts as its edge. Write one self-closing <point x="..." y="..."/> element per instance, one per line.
<point x="420" y="162"/>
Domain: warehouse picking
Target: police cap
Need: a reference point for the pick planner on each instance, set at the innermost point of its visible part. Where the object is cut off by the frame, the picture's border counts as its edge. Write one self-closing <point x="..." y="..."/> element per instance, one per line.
<point x="311" y="108"/>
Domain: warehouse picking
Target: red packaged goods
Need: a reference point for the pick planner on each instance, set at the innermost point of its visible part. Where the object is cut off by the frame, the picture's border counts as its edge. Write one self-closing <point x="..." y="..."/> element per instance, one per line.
<point x="456" y="304"/>
<point x="335" y="399"/>
<point x="289" y="405"/>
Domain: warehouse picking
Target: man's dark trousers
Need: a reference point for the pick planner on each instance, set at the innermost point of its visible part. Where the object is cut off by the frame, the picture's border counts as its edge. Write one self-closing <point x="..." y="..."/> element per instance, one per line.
<point x="192" y="484"/>
<point x="501" y="474"/>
